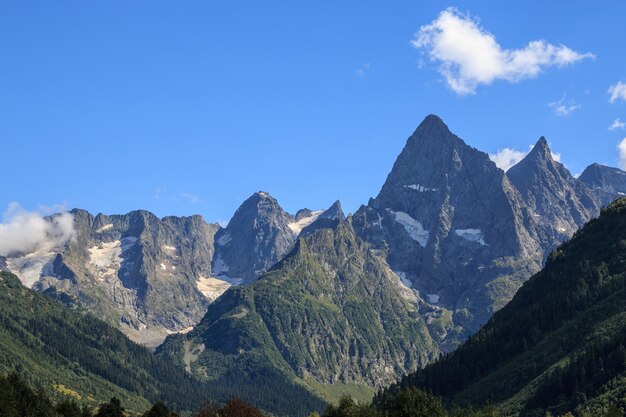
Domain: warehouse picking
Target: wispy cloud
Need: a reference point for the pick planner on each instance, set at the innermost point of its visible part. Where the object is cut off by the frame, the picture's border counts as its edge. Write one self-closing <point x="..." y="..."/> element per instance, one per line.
<point x="190" y="198"/>
<point x="469" y="56"/>
<point x="24" y="231"/>
<point x="617" y="92"/>
<point x="617" y="125"/>
<point x="621" y="149"/>
<point x="362" y="70"/>
<point x="159" y="192"/>
<point x="564" y="107"/>
<point x="162" y="193"/>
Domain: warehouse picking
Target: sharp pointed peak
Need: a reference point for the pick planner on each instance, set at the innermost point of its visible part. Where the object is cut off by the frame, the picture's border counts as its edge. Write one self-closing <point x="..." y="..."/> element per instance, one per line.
<point x="432" y="121"/>
<point x="335" y="211"/>
<point x="541" y="150"/>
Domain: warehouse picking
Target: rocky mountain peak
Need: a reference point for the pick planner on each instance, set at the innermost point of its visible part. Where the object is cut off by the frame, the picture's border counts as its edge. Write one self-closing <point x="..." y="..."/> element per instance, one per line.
<point x="607" y="182"/>
<point x="540" y="152"/>
<point x="559" y="202"/>
<point x="327" y="219"/>
<point x="256" y="238"/>
<point x="303" y="213"/>
<point x="334" y="212"/>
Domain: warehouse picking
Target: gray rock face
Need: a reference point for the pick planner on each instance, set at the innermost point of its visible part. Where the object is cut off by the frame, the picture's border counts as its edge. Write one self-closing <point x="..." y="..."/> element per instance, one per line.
<point x="453" y="225"/>
<point x="136" y="271"/>
<point x="607" y="183"/>
<point x="559" y="203"/>
<point x="465" y="234"/>
<point x="256" y="238"/>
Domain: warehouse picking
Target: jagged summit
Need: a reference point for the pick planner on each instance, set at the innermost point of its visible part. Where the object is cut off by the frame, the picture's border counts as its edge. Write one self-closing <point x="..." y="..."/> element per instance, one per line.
<point x="333" y="212"/>
<point x="256" y="238"/>
<point x="328" y="219"/>
<point x="607" y="182"/>
<point x="559" y="202"/>
<point x="303" y="213"/>
<point x="541" y="148"/>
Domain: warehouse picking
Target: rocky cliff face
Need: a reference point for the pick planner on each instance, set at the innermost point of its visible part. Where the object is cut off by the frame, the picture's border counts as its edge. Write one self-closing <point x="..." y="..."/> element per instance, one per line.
<point x="136" y="271"/>
<point x="453" y="225"/>
<point x="331" y="311"/>
<point x="607" y="183"/>
<point x="463" y="233"/>
<point x="558" y="202"/>
<point x="258" y="236"/>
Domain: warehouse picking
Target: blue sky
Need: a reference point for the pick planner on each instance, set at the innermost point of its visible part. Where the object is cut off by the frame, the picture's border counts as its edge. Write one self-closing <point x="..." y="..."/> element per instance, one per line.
<point x="189" y="107"/>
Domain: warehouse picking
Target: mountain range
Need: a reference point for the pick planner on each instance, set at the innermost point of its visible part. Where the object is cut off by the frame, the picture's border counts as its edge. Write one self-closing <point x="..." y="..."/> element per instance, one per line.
<point x="331" y="303"/>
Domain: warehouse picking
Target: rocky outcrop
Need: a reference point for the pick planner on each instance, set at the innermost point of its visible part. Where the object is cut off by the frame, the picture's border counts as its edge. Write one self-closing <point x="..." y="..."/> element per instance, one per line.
<point x="136" y="271"/>
<point x="558" y="202"/>
<point x="256" y="238"/>
<point x="607" y="183"/>
<point x="454" y="226"/>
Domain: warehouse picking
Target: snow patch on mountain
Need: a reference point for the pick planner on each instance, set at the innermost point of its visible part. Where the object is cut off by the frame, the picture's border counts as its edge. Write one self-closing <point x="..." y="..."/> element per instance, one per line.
<point x="420" y="188"/>
<point x="473" y="235"/>
<point x="29" y="268"/>
<point x="105" y="227"/>
<point x="107" y="257"/>
<point x="402" y="275"/>
<point x="433" y="298"/>
<point x="413" y="227"/>
<point x="297" y="226"/>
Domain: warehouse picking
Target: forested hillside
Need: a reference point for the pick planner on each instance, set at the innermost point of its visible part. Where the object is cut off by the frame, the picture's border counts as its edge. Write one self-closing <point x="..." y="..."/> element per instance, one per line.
<point x="71" y="354"/>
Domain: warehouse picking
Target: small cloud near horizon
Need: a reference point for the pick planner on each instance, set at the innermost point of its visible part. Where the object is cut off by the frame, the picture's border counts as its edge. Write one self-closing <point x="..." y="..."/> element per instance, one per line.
<point x="621" y="150"/>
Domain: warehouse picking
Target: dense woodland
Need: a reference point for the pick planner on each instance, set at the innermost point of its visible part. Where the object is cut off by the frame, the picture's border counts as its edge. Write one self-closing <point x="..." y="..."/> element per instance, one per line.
<point x="19" y="399"/>
<point x="69" y="352"/>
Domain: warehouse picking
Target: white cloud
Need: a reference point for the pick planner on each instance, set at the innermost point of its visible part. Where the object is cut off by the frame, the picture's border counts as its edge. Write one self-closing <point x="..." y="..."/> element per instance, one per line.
<point x="191" y="198"/>
<point x="564" y="108"/>
<point x="25" y="231"/>
<point x="617" y="92"/>
<point x="469" y="55"/>
<point x="617" y="124"/>
<point x="621" y="148"/>
<point x="362" y="70"/>
<point x="507" y="157"/>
